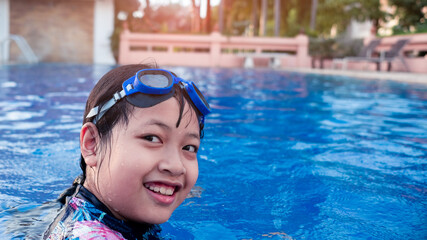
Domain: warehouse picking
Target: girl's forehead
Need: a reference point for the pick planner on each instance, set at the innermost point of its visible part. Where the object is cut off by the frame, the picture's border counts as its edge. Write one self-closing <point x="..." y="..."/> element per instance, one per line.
<point x="167" y="113"/>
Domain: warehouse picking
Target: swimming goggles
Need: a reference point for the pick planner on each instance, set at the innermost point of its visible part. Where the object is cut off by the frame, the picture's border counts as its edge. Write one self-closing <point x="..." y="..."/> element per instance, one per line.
<point x="151" y="86"/>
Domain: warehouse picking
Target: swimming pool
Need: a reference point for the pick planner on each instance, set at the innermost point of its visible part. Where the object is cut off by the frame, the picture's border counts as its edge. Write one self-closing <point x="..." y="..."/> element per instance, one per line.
<point x="285" y="155"/>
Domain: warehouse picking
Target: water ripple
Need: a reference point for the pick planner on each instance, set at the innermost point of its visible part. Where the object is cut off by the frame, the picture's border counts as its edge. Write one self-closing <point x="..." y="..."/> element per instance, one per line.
<point x="285" y="155"/>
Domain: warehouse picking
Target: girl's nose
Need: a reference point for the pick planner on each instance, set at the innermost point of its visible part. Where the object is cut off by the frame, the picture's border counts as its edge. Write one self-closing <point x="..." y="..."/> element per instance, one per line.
<point x="172" y="164"/>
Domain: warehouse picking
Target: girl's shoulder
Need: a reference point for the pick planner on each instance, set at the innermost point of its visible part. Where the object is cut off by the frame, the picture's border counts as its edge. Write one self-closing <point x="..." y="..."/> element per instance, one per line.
<point x="84" y="230"/>
<point x="82" y="220"/>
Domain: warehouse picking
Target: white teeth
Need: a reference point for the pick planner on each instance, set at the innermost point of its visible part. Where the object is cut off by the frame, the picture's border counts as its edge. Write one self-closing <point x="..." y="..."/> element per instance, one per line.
<point x="161" y="190"/>
<point x="169" y="192"/>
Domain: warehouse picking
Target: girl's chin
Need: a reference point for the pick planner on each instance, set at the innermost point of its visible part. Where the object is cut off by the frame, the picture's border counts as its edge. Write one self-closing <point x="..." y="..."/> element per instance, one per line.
<point x="156" y="220"/>
<point x="158" y="216"/>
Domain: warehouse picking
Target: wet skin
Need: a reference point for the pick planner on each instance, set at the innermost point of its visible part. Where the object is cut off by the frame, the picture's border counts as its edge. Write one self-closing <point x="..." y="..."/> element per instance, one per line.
<point x="150" y="166"/>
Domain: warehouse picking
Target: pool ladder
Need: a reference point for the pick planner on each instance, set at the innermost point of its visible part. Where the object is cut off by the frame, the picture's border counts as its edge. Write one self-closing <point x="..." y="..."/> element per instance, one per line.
<point x="22" y="45"/>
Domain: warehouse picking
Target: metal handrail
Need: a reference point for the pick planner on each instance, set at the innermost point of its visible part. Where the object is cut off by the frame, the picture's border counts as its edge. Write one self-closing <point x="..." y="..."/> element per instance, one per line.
<point x="22" y="45"/>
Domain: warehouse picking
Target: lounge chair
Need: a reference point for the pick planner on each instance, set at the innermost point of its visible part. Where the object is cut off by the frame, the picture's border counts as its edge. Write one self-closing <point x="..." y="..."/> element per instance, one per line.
<point x="365" y="54"/>
<point x="390" y="55"/>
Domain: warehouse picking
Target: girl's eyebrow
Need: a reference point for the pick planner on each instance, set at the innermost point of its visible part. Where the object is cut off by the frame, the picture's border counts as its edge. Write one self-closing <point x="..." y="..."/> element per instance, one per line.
<point x="158" y="123"/>
<point x="193" y="135"/>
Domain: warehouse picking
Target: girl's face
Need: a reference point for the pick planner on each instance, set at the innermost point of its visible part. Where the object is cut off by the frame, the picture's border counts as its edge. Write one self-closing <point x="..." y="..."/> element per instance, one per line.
<point x="151" y="165"/>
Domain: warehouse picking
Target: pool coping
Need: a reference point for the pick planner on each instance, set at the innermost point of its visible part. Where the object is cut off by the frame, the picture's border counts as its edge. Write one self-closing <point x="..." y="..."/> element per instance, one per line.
<point x="395" y="76"/>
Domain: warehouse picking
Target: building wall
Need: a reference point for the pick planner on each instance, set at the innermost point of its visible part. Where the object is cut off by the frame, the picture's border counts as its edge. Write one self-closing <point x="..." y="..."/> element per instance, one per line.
<point x="4" y="28"/>
<point x="103" y="30"/>
<point x="56" y="30"/>
<point x="359" y="30"/>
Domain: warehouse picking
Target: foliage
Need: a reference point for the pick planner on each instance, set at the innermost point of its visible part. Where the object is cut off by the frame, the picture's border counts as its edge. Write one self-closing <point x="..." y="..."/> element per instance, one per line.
<point x="418" y="28"/>
<point x="295" y="17"/>
<point x="319" y="47"/>
<point x="346" y="47"/>
<point x="334" y="47"/>
<point x="296" y="14"/>
<point x="165" y="18"/>
<point x="240" y="17"/>
<point x="410" y="14"/>
<point x="339" y="13"/>
<point x="237" y="16"/>
<point x="120" y="5"/>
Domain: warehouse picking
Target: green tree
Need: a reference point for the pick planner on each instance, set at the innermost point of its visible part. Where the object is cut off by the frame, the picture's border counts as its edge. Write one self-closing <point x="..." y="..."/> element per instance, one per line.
<point x="410" y="14"/>
<point x="237" y="16"/>
<point x="296" y="15"/>
<point x="339" y="13"/>
<point x="127" y="6"/>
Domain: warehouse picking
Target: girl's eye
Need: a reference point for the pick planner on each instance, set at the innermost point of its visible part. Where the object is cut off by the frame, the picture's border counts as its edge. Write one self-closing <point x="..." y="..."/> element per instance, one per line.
<point x="190" y="148"/>
<point x="152" y="138"/>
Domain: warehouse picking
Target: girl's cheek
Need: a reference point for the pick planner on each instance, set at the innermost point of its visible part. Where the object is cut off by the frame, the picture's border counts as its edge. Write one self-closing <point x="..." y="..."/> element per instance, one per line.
<point x="190" y="156"/>
<point x="194" y="172"/>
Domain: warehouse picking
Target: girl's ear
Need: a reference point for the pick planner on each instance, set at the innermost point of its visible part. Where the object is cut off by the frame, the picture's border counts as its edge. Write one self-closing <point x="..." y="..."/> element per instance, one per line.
<point x="89" y="141"/>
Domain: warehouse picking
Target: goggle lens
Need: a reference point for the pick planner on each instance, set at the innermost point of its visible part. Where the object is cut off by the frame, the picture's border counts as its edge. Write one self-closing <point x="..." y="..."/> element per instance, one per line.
<point x="155" y="80"/>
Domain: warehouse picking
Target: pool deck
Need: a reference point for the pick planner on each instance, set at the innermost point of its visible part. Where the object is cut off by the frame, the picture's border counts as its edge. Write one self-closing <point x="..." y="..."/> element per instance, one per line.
<point x="396" y="76"/>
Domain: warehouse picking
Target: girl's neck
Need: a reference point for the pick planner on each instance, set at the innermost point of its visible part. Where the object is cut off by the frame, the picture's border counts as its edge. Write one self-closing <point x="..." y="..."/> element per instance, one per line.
<point x="94" y="190"/>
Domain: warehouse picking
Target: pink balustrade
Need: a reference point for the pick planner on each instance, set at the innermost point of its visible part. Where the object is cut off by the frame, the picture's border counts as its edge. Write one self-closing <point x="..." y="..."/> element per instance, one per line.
<point x="224" y="51"/>
<point x="211" y="50"/>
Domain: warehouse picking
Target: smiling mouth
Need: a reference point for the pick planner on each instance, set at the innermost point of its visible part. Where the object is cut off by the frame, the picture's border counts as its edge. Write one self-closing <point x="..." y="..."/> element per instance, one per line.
<point x="162" y="189"/>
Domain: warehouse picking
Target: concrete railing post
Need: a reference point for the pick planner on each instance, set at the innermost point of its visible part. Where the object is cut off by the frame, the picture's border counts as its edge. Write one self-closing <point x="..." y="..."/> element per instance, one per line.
<point x="215" y="48"/>
<point x="302" y="50"/>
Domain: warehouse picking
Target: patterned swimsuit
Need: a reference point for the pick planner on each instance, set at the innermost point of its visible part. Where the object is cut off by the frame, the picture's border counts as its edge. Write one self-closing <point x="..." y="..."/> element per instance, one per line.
<point x="83" y="216"/>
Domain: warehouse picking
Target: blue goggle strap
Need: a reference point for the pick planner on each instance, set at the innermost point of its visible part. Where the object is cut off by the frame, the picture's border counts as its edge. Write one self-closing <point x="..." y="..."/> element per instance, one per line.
<point x="129" y="89"/>
<point x="195" y="97"/>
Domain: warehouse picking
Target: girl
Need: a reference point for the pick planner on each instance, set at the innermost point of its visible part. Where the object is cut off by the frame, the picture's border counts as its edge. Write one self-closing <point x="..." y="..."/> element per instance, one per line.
<point x="139" y="140"/>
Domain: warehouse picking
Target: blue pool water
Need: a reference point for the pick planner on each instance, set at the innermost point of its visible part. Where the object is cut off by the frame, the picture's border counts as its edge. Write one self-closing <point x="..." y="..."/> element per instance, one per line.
<point x="285" y="155"/>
